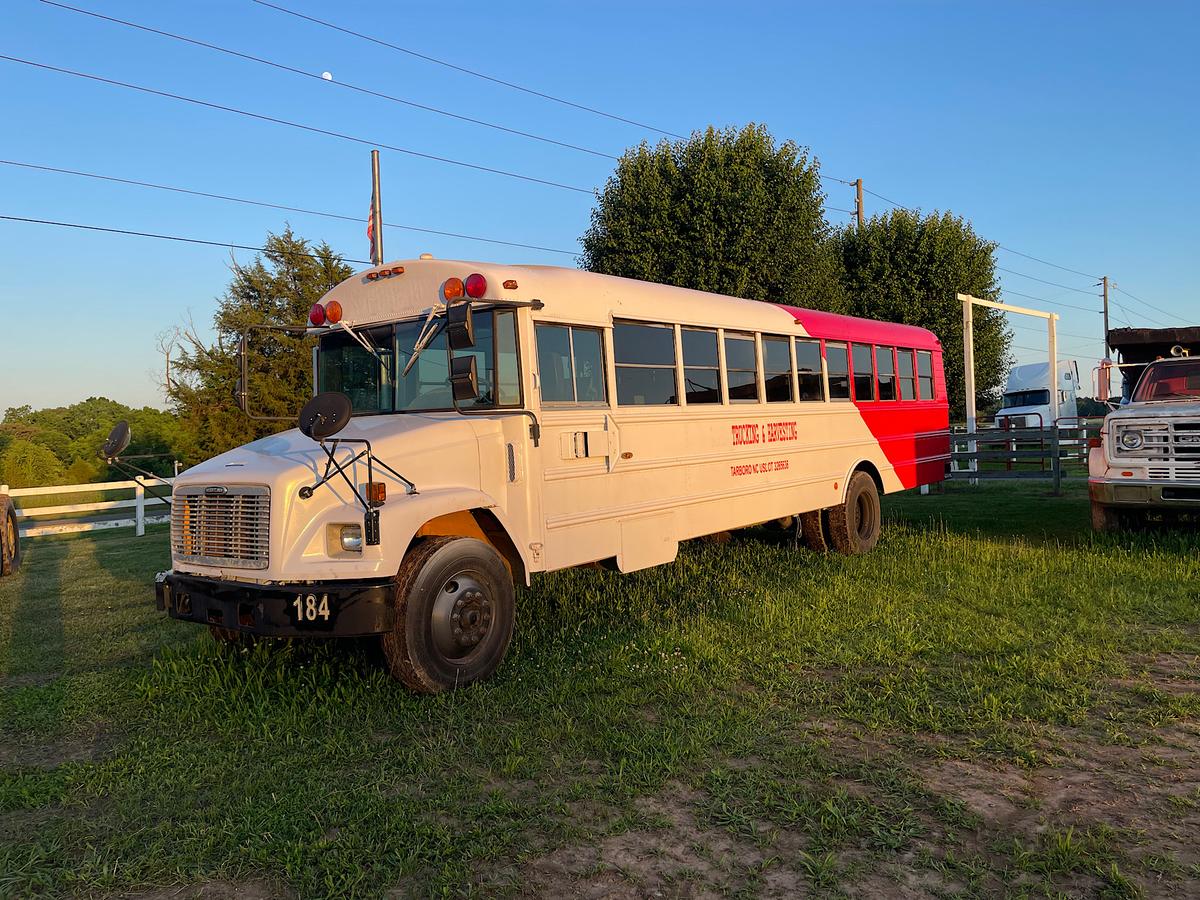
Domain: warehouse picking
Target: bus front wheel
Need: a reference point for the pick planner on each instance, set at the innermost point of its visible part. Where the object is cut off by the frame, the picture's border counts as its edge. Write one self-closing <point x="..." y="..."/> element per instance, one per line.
<point x="454" y="612"/>
<point x="854" y="525"/>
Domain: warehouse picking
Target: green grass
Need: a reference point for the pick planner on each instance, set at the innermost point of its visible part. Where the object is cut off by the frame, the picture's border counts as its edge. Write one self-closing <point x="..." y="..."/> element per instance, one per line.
<point x="749" y="696"/>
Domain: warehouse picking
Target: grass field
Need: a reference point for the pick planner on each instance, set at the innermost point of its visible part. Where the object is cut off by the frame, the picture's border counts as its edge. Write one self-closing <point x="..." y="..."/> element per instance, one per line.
<point x="993" y="702"/>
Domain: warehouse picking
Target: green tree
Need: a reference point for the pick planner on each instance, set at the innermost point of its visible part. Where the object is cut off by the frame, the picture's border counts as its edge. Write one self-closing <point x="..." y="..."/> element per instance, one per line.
<point x="278" y="288"/>
<point x="906" y="267"/>
<point x="726" y="211"/>
<point x="26" y="464"/>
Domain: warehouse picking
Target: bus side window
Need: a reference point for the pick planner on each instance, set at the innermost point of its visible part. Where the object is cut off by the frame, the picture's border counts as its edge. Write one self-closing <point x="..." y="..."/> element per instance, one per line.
<point x="702" y="368"/>
<point x="645" y="364"/>
<point x="864" y="372"/>
<point x="925" y="373"/>
<point x="908" y="380"/>
<point x="741" y="367"/>
<point x="838" y="360"/>
<point x="885" y="366"/>
<point x="777" y="369"/>
<point x="570" y="364"/>
<point x="808" y="368"/>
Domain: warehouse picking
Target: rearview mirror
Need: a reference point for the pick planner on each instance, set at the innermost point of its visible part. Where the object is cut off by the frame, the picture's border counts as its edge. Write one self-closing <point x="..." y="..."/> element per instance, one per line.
<point x="118" y="440"/>
<point x="460" y="327"/>
<point x="464" y="379"/>
<point x="324" y="415"/>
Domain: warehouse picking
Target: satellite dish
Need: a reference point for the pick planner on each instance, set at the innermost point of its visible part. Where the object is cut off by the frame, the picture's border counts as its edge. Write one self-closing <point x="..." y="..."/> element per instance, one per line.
<point x="118" y="440"/>
<point x="324" y="415"/>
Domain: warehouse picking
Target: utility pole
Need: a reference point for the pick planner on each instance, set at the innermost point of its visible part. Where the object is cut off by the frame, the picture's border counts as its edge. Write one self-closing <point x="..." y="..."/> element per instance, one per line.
<point x="858" y="206"/>
<point x="1104" y="282"/>
<point x="376" y="213"/>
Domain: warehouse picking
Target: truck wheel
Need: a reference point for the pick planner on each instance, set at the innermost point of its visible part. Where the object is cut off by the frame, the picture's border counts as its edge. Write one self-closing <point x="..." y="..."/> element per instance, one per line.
<point x="1105" y="518"/>
<point x="10" y="538"/>
<point x="454" y="611"/>
<point x="814" y="528"/>
<point x="854" y="525"/>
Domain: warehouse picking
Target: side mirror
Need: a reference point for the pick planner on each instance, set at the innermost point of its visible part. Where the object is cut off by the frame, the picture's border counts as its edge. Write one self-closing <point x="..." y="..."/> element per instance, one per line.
<point x="460" y="328"/>
<point x="464" y="379"/>
<point x="118" y="440"/>
<point x="324" y="415"/>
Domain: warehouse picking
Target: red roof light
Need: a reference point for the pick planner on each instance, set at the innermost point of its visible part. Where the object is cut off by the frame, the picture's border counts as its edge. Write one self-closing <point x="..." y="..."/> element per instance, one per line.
<point x="316" y="315"/>
<point x="476" y="286"/>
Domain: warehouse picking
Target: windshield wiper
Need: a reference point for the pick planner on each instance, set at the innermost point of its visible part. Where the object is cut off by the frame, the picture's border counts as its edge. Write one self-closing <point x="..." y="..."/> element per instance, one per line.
<point x="427" y="334"/>
<point x="361" y="340"/>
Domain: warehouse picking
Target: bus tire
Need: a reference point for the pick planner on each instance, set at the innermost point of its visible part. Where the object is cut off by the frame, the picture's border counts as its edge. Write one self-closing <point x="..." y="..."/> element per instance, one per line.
<point x="454" y="608"/>
<point x="10" y="538"/>
<point x="814" y="528"/>
<point x="854" y="525"/>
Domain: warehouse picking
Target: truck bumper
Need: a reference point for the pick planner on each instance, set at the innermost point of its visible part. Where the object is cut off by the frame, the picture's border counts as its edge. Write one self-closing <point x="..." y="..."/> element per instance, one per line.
<point x="325" y="609"/>
<point x="1160" y="495"/>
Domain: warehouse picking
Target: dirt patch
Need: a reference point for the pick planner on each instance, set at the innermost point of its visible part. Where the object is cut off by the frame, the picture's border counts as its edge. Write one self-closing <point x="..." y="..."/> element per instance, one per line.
<point x="214" y="890"/>
<point x="51" y="753"/>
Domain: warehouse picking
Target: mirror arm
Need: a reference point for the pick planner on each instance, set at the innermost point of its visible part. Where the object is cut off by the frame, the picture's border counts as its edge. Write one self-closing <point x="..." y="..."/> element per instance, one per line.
<point x="243" y="347"/>
<point x="535" y="427"/>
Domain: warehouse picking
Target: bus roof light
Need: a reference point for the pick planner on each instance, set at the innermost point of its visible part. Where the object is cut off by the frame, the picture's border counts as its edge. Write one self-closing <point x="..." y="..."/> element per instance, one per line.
<point x="510" y="285"/>
<point x="452" y="289"/>
<point x="333" y="312"/>
<point x="476" y="286"/>
<point x="316" y="315"/>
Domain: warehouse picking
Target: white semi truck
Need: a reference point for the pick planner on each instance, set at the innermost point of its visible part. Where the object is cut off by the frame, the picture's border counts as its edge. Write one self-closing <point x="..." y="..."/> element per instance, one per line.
<point x="1026" y="399"/>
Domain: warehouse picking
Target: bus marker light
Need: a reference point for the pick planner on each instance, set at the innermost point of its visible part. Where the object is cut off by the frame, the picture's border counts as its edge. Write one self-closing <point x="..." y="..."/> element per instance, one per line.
<point x="397" y="270"/>
<point x="371" y="276"/>
<point x="316" y="315"/>
<point x="476" y="286"/>
<point x="510" y="285"/>
<point x="452" y="289"/>
<point x="333" y="312"/>
<point x="835" y="485"/>
<point x="1126" y="474"/>
<point x="1093" y="442"/>
<point x="376" y="493"/>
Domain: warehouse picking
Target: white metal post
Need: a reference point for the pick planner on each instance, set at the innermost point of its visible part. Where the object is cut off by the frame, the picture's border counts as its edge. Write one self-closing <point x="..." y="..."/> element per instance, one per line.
<point x="969" y="379"/>
<point x="1054" y="389"/>
<point x="139" y="495"/>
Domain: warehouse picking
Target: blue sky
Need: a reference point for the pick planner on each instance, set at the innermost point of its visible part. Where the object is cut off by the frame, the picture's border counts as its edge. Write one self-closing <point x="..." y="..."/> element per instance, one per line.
<point x="1063" y="130"/>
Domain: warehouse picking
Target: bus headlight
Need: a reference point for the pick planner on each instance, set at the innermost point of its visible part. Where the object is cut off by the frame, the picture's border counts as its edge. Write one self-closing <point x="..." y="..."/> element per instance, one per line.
<point x="1131" y="439"/>
<point x="350" y="538"/>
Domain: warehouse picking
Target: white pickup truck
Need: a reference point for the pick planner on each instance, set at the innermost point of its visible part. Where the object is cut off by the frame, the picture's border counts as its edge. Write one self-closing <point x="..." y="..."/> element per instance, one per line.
<point x="1147" y="464"/>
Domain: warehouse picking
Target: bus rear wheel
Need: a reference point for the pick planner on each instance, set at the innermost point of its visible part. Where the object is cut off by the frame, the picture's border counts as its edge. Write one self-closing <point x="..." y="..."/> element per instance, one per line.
<point x="10" y="538"/>
<point x="454" y="611"/>
<point x="855" y="524"/>
<point x="814" y="528"/>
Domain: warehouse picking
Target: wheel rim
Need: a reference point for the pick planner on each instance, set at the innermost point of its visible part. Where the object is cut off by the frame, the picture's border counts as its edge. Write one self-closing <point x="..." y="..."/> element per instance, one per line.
<point x="864" y="513"/>
<point x="10" y="536"/>
<point x="462" y="616"/>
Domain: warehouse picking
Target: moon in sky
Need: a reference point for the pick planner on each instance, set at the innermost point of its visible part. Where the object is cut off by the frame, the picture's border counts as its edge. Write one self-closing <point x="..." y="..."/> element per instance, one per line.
<point x="328" y="76"/>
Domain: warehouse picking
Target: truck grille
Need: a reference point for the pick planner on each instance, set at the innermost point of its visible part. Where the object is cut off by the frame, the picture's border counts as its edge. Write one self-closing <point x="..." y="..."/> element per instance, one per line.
<point x="220" y="525"/>
<point x="1173" y="448"/>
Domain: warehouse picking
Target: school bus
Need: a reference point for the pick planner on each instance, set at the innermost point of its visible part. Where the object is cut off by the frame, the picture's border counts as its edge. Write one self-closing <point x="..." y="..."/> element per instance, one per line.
<point x="474" y="424"/>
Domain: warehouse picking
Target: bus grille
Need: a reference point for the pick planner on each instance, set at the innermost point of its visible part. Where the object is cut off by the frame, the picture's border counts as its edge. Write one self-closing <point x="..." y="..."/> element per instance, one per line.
<point x="219" y="525"/>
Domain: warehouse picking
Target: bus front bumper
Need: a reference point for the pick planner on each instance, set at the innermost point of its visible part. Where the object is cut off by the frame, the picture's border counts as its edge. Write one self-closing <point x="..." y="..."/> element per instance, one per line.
<point x="1146" y="494"/>
<point x="324" y="609"/>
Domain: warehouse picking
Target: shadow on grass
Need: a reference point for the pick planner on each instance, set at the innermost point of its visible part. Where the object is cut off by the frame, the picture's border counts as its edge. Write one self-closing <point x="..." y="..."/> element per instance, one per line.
<point x="36" y="643"/>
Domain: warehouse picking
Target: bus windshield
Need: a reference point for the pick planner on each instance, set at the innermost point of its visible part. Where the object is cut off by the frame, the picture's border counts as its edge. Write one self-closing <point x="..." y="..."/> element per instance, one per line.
<point x="375" y="384"/>
<point x="1169" y="381"/>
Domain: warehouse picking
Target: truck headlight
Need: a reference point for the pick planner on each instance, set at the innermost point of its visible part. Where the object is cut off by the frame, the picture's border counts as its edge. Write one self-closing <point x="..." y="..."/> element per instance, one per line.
<point x="1132" y="439"/>
<point x="350" y="538"/>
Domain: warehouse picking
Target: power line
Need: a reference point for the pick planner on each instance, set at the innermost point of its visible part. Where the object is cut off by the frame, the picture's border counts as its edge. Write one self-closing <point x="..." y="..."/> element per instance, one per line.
<point x="886" y="200"/>
<point x="848" y="212"/>
<point x="344" y="84"/>
<point x="466" y="71"/>
<point x="1085" y="337"/>
<point x="163" y="237"/>
<point x="1036" y="259"/>
<point x="279" y="206"/>
<point x="1151" y="305"/>
<point x="1065" y="287"/>
<point x="1050" y="302"/>
<point x="309" y="128"/>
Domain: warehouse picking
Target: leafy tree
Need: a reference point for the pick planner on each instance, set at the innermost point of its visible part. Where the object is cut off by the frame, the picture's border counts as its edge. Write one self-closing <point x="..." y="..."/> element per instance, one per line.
<point x="725" y="211"/>
<point x="26" y="464"/>
<point x="278" y="288"/>
<point x="905" y="267"/>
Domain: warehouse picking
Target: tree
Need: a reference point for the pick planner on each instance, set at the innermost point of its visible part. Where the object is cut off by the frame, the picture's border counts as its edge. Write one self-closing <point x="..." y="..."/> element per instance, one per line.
<point x="26" y="464"/>
<point x="725" y="211"/>
<point x="278" y="288"/>
<point x="905" y="267"/>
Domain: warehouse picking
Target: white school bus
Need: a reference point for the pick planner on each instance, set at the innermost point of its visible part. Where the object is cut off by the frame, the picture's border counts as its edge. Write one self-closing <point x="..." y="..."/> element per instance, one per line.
<point x="474" y="424"/>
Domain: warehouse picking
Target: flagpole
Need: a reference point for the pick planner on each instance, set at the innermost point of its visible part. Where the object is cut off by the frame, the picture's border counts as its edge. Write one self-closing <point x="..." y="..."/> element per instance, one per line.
<point x="376" y="213"/>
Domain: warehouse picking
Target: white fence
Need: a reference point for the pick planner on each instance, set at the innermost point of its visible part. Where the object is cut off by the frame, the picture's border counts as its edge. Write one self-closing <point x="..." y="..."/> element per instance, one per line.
<point x="138" y="504"/>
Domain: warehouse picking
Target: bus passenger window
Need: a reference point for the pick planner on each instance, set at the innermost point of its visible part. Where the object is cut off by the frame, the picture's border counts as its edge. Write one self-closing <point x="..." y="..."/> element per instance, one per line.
<point x="777" y="368"/>
<point x="741" y="367"/>
<point x="838" y="361"/>
<point x="570" y="364"/>
<point x="702" y="369"/>
<point x="864" y="373"/>
<point x="808" y="368"/>
<point x="645" y="364"/>
<point x="925" y="373"/>
<point x="885" y="365"/>
<point x="908" y="378"/>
